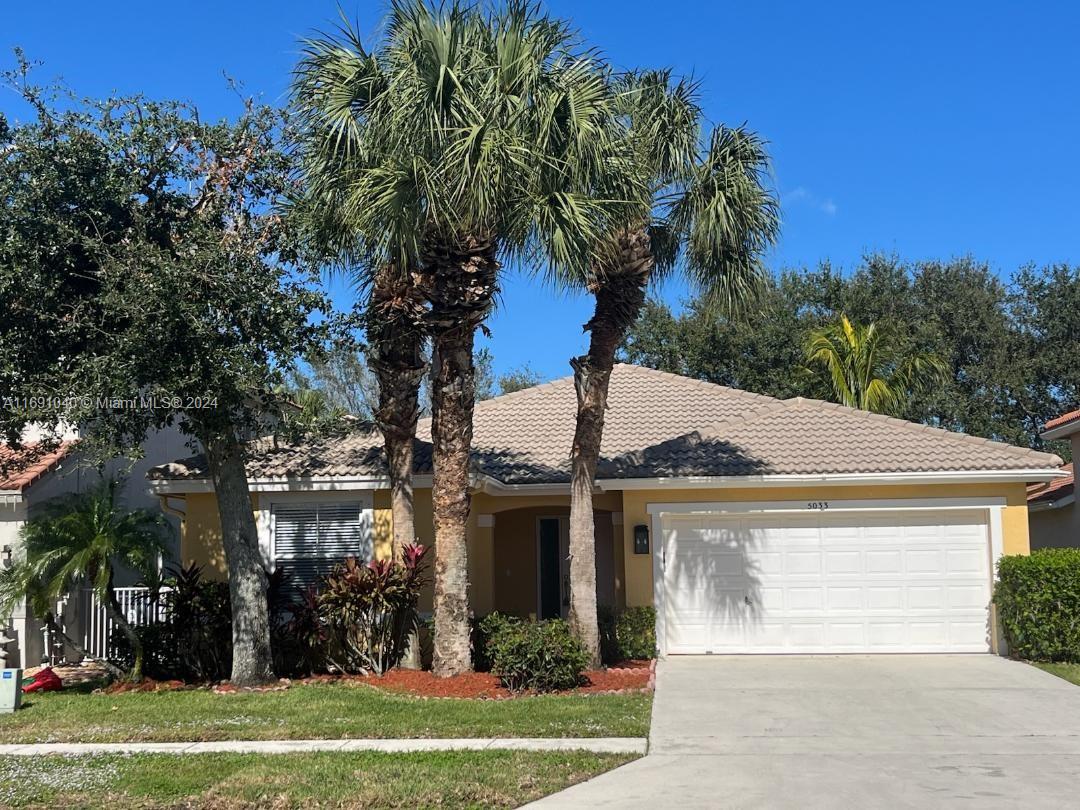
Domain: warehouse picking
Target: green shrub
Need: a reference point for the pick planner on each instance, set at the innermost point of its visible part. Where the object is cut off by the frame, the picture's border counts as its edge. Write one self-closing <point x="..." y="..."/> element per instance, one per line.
<point x="543" y="656"/>
<point x="635" y="633"/>
<point x="484" y="630"/>
<point x="1038" y="604"/>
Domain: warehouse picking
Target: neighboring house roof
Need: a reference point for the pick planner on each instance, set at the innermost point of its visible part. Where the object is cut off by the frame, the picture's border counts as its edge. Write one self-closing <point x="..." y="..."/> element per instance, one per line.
<point x="1050" y="492"/>
<point x="21" y="468"/>
<point x="1064" y="419"/>
<point x="1065" y="425"/>
<point x="658" y="425"/>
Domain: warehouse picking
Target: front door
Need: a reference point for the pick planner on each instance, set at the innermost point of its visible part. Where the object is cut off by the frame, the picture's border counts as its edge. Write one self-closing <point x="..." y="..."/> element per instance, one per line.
<point x="553" y="550"/>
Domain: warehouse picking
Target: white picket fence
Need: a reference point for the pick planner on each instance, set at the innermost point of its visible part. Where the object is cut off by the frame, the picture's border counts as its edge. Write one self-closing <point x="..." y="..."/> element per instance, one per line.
<point x="97" y="627"/>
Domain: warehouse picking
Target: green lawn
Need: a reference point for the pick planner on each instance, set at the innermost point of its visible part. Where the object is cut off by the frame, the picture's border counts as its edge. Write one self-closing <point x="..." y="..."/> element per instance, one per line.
<point x="449" y="779"/>
<point x="322" y="711"/>
<point x="1070" y="672"/>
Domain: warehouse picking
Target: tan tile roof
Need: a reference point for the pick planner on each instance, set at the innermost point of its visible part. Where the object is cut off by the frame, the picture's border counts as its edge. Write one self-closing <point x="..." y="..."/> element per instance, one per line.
<point x="21" y="468"/>
<point x="660" y="424"/>
<point x="1050" y="491"/>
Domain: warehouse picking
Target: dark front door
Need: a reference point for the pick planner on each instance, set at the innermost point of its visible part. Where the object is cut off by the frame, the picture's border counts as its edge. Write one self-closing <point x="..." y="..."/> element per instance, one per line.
<point x="550" y="570"/>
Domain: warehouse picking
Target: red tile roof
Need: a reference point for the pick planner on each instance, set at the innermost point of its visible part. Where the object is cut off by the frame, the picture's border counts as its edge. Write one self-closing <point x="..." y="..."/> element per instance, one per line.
<point x="1064" y="419"/>
<point x="1049" y="491"/>
<point x="21" y="468"/>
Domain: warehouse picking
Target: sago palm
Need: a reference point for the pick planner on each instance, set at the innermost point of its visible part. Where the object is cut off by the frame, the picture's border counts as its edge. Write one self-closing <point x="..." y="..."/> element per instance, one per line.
<point x="863" y="366"/>
<point x="79" y="539"/>
<point x="710" y="217"/>
<point x="462" y="139"/>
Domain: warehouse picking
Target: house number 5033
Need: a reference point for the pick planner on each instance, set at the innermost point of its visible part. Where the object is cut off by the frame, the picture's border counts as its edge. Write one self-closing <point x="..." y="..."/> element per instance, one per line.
<point x="820" y="506"/>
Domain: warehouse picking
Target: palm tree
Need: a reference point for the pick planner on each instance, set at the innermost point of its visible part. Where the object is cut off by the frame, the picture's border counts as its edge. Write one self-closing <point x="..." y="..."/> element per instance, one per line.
<point x="710" y="218"/>
<point x="465" y="138"/>
<point x="81" y="538"/>
<point x="865" y="367"/>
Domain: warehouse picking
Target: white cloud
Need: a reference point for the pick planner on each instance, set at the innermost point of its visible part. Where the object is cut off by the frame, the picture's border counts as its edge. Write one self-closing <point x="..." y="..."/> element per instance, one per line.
<point x="804" y="196"/>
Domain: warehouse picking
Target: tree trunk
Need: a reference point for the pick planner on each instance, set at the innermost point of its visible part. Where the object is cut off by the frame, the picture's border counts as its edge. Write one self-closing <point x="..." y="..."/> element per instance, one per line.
<point x="111" y="606"/>
<point x="54" y="627"/>
<point x="252" y="663"/>
<point x="113" y="611"/>
<point x="620" y="295"/>
<point x="460" y="283"/>
<point x="396" y="334"/>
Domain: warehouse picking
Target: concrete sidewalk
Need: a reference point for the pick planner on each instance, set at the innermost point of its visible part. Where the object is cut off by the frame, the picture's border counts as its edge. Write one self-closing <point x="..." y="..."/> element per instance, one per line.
<point x="599" y="745"/>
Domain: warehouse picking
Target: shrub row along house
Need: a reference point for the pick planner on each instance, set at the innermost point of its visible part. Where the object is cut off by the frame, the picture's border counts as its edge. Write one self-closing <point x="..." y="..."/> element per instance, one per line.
<point x="752" y="524"/>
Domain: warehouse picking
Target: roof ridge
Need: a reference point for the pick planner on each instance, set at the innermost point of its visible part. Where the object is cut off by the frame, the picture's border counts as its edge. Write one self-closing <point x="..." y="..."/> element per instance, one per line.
<point x="1049" y="458"/>
<point x="684" y="380"/>
<point x="532" y="390"/>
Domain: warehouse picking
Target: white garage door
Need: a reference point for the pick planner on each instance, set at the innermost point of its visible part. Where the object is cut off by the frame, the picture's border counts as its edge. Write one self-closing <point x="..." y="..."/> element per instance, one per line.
<point x="826" y="583"/>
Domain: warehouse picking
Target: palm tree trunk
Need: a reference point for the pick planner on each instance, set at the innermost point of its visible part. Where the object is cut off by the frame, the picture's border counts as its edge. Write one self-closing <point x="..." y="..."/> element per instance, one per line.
<point x="83" y="653"/>
<point x="113" y="611"/>
<point x="252" y="662"/>
<point x="460" y="284"/>
<point x="620" y="296"/>
<point x="395" y="332"/>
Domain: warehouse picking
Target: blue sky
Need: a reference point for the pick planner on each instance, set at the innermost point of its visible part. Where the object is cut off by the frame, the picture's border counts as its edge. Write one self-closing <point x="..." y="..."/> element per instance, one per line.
<point x="928" y="129"/>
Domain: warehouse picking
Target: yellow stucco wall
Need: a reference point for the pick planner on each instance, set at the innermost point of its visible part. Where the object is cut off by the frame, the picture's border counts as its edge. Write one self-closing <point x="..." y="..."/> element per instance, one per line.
<point x="201" y="534"/>
<point x="638" y="567"/>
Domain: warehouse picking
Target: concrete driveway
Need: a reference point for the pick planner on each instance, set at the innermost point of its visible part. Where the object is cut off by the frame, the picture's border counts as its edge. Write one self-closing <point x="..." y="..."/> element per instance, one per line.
<point x="850" y="731"/>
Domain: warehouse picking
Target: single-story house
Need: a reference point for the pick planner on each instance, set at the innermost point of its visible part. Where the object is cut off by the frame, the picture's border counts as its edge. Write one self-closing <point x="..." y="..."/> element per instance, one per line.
<point x="752" y="524"/>
<point x="1052" y="510"/>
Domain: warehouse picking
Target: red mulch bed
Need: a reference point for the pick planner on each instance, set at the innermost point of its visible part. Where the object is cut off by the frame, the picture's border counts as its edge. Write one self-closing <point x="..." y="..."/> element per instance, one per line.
<point x="145" y="685"/>
<point x="626" y="676"/>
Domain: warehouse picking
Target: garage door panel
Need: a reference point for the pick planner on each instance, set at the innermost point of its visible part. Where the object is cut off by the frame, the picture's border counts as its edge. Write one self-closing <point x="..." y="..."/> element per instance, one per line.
<point x="843" y="562"/>
<point x="965" y="560"/>
<point x="885" y="597"/>
<point x="849" y="582"/>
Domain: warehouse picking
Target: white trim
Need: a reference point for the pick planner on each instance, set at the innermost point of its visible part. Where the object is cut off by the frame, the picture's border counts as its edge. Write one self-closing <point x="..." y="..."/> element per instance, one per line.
<point x="831" y="479"/>
<point x="1061" y="431"/>
<point x="659" y="554"/>
<point x="992" y="506"/>
<point x="823" y="505"/>
<point x="303" y="484"/>
<point x="492" y="486"/>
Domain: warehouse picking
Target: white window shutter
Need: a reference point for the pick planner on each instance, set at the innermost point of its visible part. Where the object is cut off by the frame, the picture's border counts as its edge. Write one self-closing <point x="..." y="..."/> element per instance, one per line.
<point x="311" y="538"/>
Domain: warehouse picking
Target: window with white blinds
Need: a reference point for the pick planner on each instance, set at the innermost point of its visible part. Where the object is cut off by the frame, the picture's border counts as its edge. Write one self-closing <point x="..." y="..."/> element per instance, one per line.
<point x="311" y="538"/>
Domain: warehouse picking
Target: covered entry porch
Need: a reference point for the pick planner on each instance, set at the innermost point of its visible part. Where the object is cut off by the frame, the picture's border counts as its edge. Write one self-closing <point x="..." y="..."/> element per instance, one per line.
<point x="531" y="565"/>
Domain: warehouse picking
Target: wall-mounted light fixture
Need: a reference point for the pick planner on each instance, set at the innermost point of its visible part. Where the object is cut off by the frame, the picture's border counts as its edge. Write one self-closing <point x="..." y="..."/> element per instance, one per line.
<point x="641" y="539"/>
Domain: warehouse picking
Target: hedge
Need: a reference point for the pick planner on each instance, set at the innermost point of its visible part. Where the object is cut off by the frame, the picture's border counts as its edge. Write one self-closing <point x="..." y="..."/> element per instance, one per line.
<point x="1038" y="604"/>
